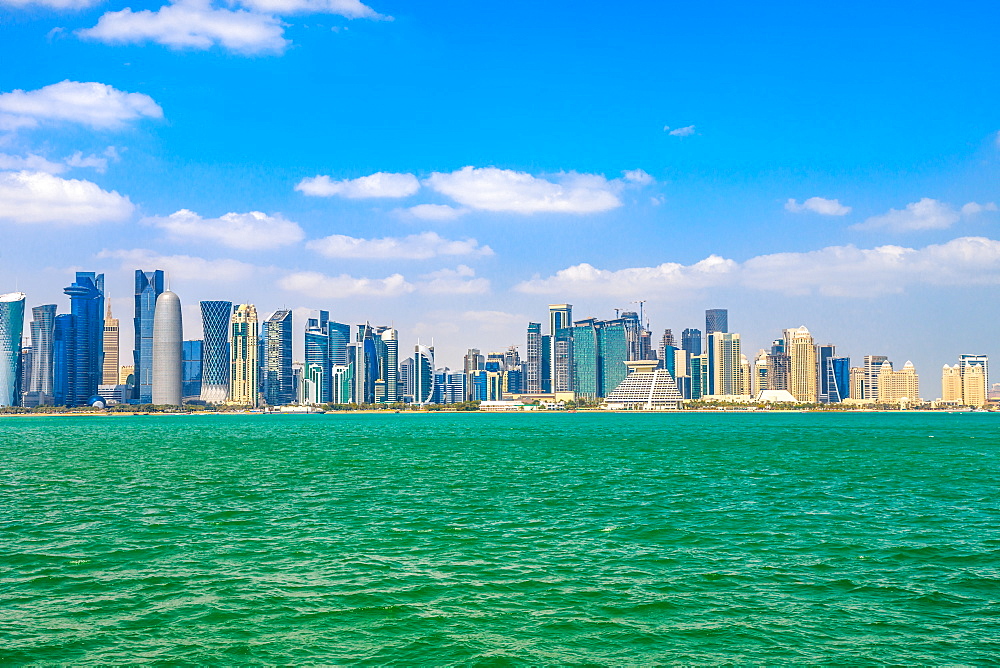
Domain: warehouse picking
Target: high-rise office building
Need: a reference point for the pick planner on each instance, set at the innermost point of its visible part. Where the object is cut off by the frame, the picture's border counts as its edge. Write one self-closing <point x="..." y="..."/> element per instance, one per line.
<point x="168" y="333"/>
<point x="533" y="359"/>
<point x="951" y="384"/>
<point x="599" y="352"/>
<point x="86" y="295"/>
<point x="873" y="364"/>
<point x="560" y="316"/>
<point x="43" y="322"/>
<point x="109" y="373"/>
<point x="716" y="320"/>
<point x="11" y="331"/>
<point x="823" y="355"/>
<point x="666" y="341"/>
<point x="63" y="361"/>
<point x="148" y="286"/>
<point x="802" y="364"/>
<point x="278" y="358"/>
<point x="423" y="374"/>
<point x="317" y="341"/>
<point x="760" y="372"/>
<point x="725" y="371"/>
<point x="244" y="332"/>
<point x="215" y="318"/>
<point x="561" y="347"/>
<point x="779" y="366"/>
<point x="192" y="366"/>
<point x="389" y="363"/>
<point x="838" y="373"/>
<point x="691" y="341"/>
<point x="24" y="373"/>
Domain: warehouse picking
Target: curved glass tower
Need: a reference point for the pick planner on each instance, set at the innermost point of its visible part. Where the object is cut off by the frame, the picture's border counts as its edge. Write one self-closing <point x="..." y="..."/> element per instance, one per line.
<point x="215" y="361"/>
<point x="11" y="328"/>
<point x="86" y="368"/>
<point x="423" y="374"/>
<point x="43" y="322"/>
<point x="167" y="335"/>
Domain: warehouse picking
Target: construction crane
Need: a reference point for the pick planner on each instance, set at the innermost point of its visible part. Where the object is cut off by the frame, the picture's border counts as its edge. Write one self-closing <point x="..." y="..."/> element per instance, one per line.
<point x="640" y="303"/>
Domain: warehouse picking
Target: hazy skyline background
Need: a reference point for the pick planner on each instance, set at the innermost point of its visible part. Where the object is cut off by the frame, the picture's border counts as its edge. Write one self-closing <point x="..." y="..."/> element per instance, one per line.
<point x="452" y="169"/>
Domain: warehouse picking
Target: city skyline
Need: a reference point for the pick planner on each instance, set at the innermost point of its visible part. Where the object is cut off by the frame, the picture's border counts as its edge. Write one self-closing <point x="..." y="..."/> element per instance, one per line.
<point x="440" y="181"/>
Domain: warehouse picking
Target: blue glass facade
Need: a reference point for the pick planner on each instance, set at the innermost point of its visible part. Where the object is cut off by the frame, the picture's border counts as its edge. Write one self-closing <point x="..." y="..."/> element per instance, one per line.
<point x="63" y="362"/>
<point x="613" y="347"/>
<point x="716" y="320"/>
<point x="192" y="353"/>
<point x="823" y="355"/>
<point x="318" y="355"/>
<point x="43" y="322"/>
<point x="11" y="331"/>
<point x="87" y="305"/>
<point x="148" y="286"/>
<point x="278" y="359"/>
<point x="215" y="317"/>
<point x="586" y="365"/>
<point x="839" y="378"/>
<point x="691" y="341"/>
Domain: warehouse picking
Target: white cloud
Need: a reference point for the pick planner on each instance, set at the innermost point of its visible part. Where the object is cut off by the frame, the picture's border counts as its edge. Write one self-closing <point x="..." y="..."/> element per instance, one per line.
<point x="686" y="131"/>
<point x="89" y="103"/>
<point x="380" y="184"/>
<point x="38" y="197"/>
<point x="638" y="176"/>
<point x="973" y="208"/>
<point x="321" y="286"/>
<point x="458" y="281"/>
<point x="352" y="9"/>
<point x="192" y="24"/>
<point x="184" y="267"/>
<point x="51" y="4"/>
<point x="927" y="214"/>
<point x="32" y="162"/>
<point x="421" y="246"/>
<point x="820" y="205"/>
<point x="493" y="189"/>
<point x="246" y="231"/>
<point x="840" y="271"/>
<point x="434" y="212"/>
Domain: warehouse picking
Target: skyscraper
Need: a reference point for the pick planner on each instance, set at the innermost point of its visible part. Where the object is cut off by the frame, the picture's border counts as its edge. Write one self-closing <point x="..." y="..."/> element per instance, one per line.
<point x="148" y="286"/>
<point x="896" y="385"/>
<point x="533" y="359"/>
<point x="423" y="374"/>
<point x="63" y="362"/>
<point x="110" y="369"/>
<point x="11" y="330"/>
<point x="873" y="364"/>
<point x="192" y="365"/>
<point x="244" y="331"/>
<point x="838" y="372"/>
<point x="716" y="320"/>
<point x="318" y="362"/>
<point x="975" y="370"/>
<point x="802" y="364"/>
<point x="215" y="317"/>
<point x="168" y="333"/>
<point x="86" y="295"/>
<point x="43" y="322"/>
<point x="561" y="347"/>
<point x="278" y="358"/>
<point x="560" y="316"/>
<point x="691" y="341"/>
<point x="725" y="372"/>
<point x="823" y="355"/>
<point x="389" y="363"/>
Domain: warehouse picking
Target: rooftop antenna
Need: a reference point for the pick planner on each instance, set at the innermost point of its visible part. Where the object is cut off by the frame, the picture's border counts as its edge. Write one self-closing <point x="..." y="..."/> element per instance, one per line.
<point x="617" y="310"/>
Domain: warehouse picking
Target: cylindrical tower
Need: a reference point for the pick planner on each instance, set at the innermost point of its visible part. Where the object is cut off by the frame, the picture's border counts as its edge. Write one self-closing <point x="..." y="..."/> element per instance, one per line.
<point x="167" y="335"/>
<point x="11" y="328"/>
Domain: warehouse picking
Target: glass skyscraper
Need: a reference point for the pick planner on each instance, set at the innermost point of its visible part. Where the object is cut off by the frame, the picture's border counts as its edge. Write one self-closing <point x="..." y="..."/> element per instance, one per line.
<point x="278" y="358"/>
<point x="215" y="351"/>
<point x="63" y="362"/>
<point x="87" y="305"/>
<point x="318" y="355"/>
<point x="148" y="286"/>
<point x="691" y="341"/>
<point x="533" y="359"/>
<point x="716" y="320"/>
<point x="11" y="330"/>
<point x="43" y="322"/>
<point x="423" y="374"/>
<point x="192" y="353"/>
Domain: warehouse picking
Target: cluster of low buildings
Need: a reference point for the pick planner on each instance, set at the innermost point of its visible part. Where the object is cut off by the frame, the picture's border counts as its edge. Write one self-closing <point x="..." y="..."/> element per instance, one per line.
<point x="73" y="359"/>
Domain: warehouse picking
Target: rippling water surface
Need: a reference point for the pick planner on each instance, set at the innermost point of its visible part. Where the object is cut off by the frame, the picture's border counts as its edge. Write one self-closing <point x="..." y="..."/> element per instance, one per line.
<point x="536" y="539"/>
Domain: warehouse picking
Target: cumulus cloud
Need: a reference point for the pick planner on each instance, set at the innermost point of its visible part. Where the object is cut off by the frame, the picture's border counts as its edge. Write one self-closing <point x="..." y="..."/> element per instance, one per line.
<point x="380" y="184"/>
<point x="973" y="208"/>
<point x="246" y="231"/>
<point x="434" y="212"/>
<point x="927" y="214"/>
<point x="840" y="271"/>
<point x="51" y="4"/>
<point x="492" y="189"/>
<point x="458" y="281"/>
<point x="686" y="131"/>
<point x="352" y="9"/>
<point x="421" y="246"/>
<point x="638" y="176"/>
<point x="183" y="267"/>
<point x="820" y="205"/>
<point x="88" y="103"/>
<point x="38" y="197"/>
<point x="320" y="286"/>
<point x="31" y="162"/>
<point x="192" y="24"/>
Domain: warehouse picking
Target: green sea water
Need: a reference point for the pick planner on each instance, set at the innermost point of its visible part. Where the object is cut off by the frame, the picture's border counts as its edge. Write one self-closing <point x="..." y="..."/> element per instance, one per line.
<point x="501" y="539"/>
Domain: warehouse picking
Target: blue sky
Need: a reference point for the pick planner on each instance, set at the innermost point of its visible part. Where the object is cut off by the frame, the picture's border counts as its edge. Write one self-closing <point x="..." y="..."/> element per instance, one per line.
<point x="837" y="167"/>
